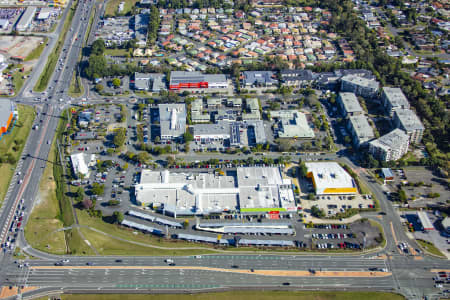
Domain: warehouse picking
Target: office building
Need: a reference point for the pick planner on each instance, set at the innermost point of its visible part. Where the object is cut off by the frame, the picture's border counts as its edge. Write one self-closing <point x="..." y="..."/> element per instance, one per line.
<point x="153" y="82"/>
<point x="259" y="79"/>
<point x="292" y="124"/>
<point x="172" y="120"/>
<point x="196" y="81"/>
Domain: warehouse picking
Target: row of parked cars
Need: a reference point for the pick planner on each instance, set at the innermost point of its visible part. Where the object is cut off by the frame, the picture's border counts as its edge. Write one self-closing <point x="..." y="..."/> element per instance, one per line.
<point x="338" y="236"/>
<point x="330" y="226"/>
<point x="344" y="245"/>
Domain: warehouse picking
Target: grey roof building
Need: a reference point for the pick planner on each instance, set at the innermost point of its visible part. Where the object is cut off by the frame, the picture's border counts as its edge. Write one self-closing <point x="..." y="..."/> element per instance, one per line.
<point x="393" y="99"/>
<point x="297" y="78"/>
<point x="172" y="119"/>
<point x="360" y="129"/>
<point x="349" y="104"/>
<point x="391" y="146"/>
<point x="153" y="82"/>
<point x="407" y="120"/>
<point x="26" y="18"/>
<point x="140" y="28"/>
<point x="231" y="131"/>
<point x="292" y="124"/>
<point x="258" y="78"/>
<point x="361" y="86"/>
<point x="196" y="80"/>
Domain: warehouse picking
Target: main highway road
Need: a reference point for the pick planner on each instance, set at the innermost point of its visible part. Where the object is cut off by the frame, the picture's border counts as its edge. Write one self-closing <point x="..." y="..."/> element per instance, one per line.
<point x="408" y="275"/>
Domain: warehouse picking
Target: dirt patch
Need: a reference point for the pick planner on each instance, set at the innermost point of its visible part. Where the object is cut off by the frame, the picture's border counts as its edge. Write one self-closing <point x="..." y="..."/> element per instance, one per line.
<point x="20" y="46"/>
<point x="7" y="292"/>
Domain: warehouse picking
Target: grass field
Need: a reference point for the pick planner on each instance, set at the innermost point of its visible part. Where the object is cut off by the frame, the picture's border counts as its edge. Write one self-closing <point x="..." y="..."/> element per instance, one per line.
<point x="18" y="134"/>
<point x="43" y="222"/>
<point x="430" y="248"/>
<point x="116" y="52"/>
<point x="245" y="295"/>
<point x="37" y="51"/>
<point x="52" y="60"/>
<point x="18" y="80"/>
<point x="112" y="6"/>
<point x="108" y="246"/>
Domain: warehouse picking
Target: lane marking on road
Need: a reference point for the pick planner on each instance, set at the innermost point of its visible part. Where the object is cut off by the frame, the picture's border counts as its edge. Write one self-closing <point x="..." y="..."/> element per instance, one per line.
<point x="395" y="239"/>
<point x="283" y="273"/>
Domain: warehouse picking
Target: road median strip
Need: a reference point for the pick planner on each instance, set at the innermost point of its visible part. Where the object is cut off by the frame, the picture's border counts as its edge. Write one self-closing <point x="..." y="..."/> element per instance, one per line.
<point x="283" y="273"/>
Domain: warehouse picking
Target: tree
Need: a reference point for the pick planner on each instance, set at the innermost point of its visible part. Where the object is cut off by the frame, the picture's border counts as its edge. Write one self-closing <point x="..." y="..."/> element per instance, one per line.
<point x="113" y="202"/>
<point x="402" y="196"/>
<point x="125" y="166"/>
<point x="79" y="194"/>
<point x="142" y="157"/>
<point x="302" y="169"/>
<point x="187" y="137"/>
<point x="98" y="189"/>
<point x="99" y="87"/>
<point x="157" y="139"/>
<point x="97" y="67"/>
<point x="116" y="82"/>
<point x="311" y="196"/>
<point x="119" y="137"/>
<point x="170" y="160"/>
<point x="98" y="47"/>
<point x="118" y="217"/>
<point x="317" y="212"/>
<point x="87" y="204"/>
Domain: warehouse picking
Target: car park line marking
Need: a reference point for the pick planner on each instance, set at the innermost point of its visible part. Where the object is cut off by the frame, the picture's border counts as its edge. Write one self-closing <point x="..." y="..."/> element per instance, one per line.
<point x="283" y="273"/>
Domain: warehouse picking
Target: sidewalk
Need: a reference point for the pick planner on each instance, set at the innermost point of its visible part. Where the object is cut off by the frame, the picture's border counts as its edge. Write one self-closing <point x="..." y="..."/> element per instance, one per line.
<point x="315" y="220"/>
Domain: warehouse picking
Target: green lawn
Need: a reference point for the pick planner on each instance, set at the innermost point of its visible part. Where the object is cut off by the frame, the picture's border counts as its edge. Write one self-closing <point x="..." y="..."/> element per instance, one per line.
<point x="52" y="60"/>
<point x="116" y="52"/>
<point x="44" y="219"/>
<point x="245" y="295"/>
<point x="106" y="245"/>
<point x="18" y="80"/>
<point x="37" y="51"/>
<point x="76" y="87"/>
<point x="13" y="143"/>
<point x="430" y="248"/>
<point x="112" y="6"/>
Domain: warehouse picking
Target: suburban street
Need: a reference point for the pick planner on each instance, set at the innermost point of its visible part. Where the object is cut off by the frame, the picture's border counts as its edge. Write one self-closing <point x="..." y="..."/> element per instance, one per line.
<point x="405" y="274"/>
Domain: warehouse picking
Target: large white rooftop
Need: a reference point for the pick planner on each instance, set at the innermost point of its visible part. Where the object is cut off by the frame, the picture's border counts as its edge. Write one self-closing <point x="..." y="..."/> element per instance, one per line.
<point x="292" y="123"/>
<point x="203" y="193"/>
<point x="330" y="178"/>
